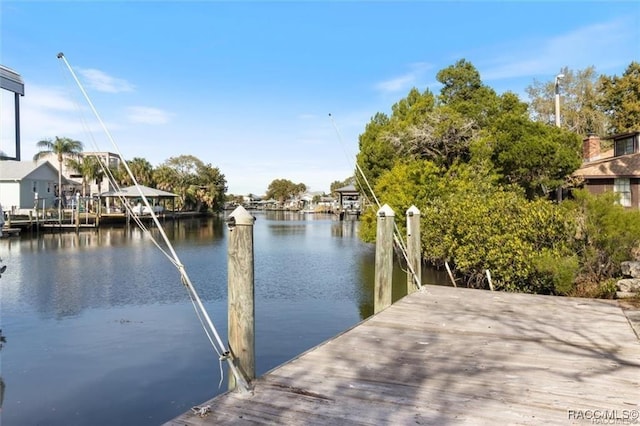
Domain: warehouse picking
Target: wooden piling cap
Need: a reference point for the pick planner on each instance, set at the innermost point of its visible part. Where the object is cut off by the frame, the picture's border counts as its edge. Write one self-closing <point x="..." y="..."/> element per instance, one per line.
<point x="240" y="216"/>
<point x="386" y="211"/>
<point x="413" y="210"/>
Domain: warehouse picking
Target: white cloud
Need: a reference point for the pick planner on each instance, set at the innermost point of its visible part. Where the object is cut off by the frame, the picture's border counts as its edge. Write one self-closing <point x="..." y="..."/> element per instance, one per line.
<point x="603" y="45"/>
<point x="406" y="81"/>
<point x="103" y="82"/>
<point x="47" y="112"/>
<point x="147" y="115"/>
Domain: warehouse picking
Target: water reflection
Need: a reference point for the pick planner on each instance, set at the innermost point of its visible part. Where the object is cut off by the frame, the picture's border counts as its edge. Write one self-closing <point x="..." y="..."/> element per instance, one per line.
<point x="62" y="274"/>
<point x="105" y="311"/>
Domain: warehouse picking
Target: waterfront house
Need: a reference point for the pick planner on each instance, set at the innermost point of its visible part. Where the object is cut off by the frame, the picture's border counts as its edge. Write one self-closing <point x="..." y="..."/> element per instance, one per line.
<point x="109" y="159"/>
<point x="617" y="169"/>
<point x="25" y="183"/>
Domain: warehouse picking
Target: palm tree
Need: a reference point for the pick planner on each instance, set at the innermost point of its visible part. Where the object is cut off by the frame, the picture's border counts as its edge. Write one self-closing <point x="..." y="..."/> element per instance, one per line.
<point x="61" y="147"/>
<point x="142" y="170"/>
<point x="90" y="169"/>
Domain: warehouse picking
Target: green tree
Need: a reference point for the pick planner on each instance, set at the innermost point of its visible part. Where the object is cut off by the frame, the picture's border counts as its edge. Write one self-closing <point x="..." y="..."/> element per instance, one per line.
<point x="199" y="186"/>
<point x="608" y="234"/>
<point x="443" y="136"/>
<point x="62" y="148"/>
<point x="210" y="188"/>
<point x="168" y="179"/>
<point x="284" y="189"/>
<point x="406" y="184"/>
<point x="411" y="110"/>
<point x="376" y="154"/>
<point x="533" y="155"/>
<point x="423" y="126"/>
<point x="89" y="167"/>
<point x="142" y="170"/>
<point x="479" y="226"/>
<point x="620" y="100"/>
<point x="463" y="91"/>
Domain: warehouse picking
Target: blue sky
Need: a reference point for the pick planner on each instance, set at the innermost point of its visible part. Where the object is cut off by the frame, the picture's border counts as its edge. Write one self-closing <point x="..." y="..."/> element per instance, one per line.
<point x="248" y="86"/>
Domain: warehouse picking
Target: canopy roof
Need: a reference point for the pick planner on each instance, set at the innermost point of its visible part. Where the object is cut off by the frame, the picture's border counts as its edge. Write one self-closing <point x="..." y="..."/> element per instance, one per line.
<point x="133" y="192"/>
<point x="349" y="189"/>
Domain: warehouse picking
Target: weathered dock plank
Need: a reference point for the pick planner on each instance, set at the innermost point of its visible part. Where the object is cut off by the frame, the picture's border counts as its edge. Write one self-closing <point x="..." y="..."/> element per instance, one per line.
<point x="453" y="356"/>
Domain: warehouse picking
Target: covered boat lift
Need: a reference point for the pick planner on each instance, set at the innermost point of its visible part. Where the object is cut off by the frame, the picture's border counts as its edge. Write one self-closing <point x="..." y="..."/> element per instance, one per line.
<point x="130" y="193"/>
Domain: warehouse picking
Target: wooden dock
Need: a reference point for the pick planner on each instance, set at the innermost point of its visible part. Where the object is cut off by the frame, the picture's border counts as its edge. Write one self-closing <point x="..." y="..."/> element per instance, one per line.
<point x="454" y="356"/>
<point x="9" y="232"/>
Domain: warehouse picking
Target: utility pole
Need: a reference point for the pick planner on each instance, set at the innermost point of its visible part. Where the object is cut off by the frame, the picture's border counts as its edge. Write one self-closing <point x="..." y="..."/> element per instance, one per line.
<point x="557" y="90"/>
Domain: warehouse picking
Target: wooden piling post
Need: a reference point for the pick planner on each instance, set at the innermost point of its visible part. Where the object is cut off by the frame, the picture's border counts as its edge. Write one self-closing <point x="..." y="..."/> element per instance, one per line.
<point x="240" y="284"/>
<point x="414" y="254"/>
<point x="384" y="259"/>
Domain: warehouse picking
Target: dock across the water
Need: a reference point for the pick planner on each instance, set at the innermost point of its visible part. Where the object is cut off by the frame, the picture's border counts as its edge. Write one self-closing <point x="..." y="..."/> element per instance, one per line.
<point x="447" y="355"/>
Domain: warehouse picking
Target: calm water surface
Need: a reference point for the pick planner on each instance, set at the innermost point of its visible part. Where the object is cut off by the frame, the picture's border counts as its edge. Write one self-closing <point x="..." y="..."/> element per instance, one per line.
<point x="100" y="331"/>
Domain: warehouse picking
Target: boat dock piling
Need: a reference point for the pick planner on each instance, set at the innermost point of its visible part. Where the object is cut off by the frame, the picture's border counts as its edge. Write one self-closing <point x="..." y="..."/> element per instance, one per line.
<point x="241" y="295"/>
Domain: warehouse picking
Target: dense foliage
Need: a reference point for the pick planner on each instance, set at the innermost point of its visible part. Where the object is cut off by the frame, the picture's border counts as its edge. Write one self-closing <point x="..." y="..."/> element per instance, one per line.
<point x="481" y="167"/>
<point x="284" y="189"/>
<point x="90" y="168"/>
<point x="199" y="186"/>
<point x="620" y="100"/>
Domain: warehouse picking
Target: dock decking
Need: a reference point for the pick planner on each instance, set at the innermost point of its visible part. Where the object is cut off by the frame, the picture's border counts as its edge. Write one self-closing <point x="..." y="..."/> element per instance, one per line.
<point x="454" y="356"/>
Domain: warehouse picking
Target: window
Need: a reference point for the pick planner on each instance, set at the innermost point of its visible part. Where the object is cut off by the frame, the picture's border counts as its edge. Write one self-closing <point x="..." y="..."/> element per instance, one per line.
<point x="623" y="187"/>
<point x="624" y="146"/>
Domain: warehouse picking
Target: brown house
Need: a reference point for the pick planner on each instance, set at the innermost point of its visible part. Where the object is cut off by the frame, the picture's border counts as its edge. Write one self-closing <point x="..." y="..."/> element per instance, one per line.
<point x="616" y="170"/>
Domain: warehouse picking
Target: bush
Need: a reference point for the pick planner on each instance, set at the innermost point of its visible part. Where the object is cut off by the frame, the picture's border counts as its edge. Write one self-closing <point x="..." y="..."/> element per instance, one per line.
<point x="558" y="273"/>
<point x="608" y="234"/>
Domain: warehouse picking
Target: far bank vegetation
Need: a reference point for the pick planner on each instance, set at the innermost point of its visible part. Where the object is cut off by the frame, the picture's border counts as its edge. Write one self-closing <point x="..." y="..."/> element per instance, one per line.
<point x="483" y="169"/>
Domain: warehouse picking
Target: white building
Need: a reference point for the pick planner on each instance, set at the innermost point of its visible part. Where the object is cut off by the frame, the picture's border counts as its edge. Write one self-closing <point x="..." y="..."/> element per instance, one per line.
<point x="25" y="183"/>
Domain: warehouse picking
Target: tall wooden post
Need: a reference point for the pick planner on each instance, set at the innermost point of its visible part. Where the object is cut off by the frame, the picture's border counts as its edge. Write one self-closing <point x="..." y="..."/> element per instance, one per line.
<point x="241" y="294"/>
<point x="384" y="259"/>
<point x="414" y="255"/>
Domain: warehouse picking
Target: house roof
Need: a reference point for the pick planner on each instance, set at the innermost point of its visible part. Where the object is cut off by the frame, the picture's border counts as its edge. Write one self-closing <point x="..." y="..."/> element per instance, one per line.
<point x="19" y="170"/>
<point x="348" y="188"/>
<point x="622" y="166"/>
<point x="132" y="192"/>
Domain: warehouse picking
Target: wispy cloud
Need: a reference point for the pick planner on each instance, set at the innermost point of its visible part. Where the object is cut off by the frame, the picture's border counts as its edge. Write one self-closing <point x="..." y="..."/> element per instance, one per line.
<point x="147" y="115"/>
<point x="406" y="81"/>
<point x="50" y="98"/>
<point x="603" y="45"/>
<point x="103" y="82"/>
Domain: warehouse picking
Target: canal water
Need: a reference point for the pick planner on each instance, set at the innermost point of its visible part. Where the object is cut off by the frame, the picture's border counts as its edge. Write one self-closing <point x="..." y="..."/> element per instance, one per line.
<point x="100" y="331"/>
